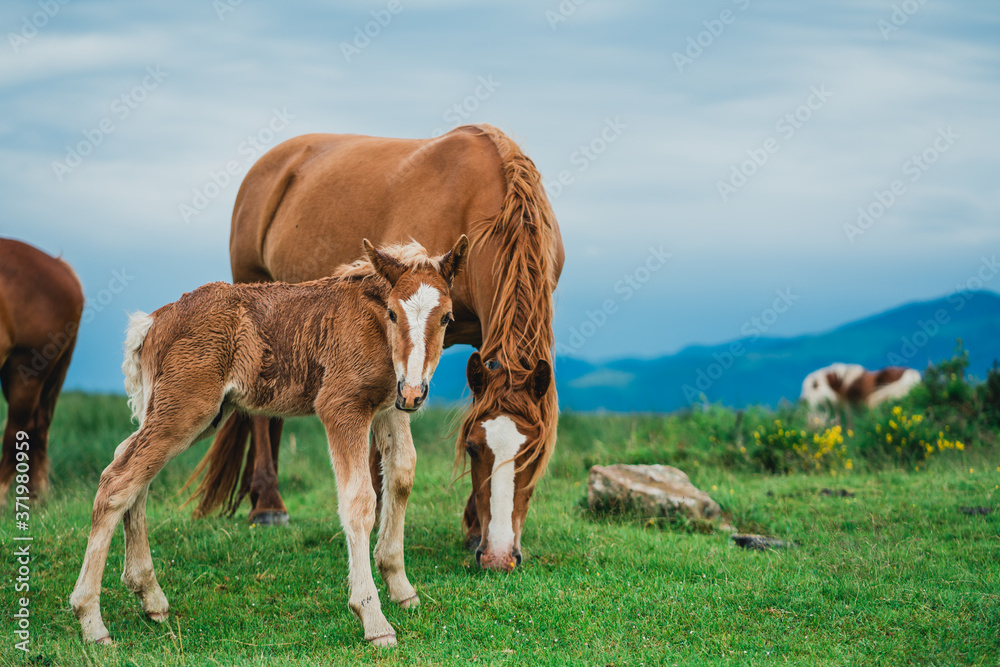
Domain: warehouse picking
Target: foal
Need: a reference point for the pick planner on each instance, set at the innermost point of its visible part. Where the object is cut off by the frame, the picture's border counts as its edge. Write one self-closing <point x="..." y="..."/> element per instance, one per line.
<point x="346" y="348"/>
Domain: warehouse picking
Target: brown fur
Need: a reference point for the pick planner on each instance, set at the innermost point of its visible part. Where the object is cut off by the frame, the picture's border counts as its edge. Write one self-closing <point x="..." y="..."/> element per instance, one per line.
<point x="41" y="303"/>
<point x="867" y="384"/>
<point x="333" y="347"/>
<point x="305" y="206"/>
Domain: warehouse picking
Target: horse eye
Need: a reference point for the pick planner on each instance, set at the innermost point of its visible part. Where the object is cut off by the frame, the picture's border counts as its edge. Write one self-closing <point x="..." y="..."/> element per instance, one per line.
<point x="472" y="449"/>
<point x="492" y="364"/>
<point x="447" y="319"/>
<point x="392" y="315"/>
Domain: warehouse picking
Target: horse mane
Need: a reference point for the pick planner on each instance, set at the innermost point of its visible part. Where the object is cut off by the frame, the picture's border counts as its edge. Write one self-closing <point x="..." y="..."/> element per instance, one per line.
<point x="520" y="334"/>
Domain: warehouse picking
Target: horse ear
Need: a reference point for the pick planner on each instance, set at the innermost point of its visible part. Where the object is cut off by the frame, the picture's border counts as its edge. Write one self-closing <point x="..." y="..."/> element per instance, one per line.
<point x="453" y="260"/>
<point x="385" y="265"/>
<point x="475" y="373"/>
<point x="540" y="379"/>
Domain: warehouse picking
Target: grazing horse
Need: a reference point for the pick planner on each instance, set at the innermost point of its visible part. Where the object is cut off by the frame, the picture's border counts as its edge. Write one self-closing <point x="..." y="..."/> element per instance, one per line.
<point x="347" y="348"/>
<point x="301" y="211"/>
<point x="41" y="302"/>
<point x="846" y="387"/>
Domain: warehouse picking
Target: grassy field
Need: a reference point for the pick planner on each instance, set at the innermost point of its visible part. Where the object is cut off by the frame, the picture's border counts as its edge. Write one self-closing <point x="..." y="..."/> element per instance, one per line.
<point x="895" y="574"/>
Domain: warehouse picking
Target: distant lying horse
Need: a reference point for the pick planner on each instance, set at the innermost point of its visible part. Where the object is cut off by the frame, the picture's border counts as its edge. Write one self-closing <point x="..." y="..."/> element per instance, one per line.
<point x="345" y="348"/>
<point x="303" y="209"/>
<point x="41" y="302"/>
<point x="845" y="387"/>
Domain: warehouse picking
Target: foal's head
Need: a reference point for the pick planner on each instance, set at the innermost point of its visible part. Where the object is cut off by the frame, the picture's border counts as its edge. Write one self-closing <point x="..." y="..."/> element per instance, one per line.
<point x="418" y="310"/>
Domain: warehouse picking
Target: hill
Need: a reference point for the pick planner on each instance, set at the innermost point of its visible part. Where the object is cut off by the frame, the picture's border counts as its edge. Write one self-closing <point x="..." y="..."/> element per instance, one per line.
<point x="764" y="371"/>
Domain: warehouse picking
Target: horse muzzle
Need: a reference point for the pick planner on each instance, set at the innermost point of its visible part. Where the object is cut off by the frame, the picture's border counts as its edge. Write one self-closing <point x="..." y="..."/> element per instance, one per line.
<point x="507" y="563"/>
<point x="409" y="398"/>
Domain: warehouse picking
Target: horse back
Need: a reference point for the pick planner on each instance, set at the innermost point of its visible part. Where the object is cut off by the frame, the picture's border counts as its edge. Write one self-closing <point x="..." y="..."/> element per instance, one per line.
<point x="305" y="206"/>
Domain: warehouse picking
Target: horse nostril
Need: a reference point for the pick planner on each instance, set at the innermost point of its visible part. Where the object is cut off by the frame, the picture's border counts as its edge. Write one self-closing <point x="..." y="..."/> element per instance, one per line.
<point x="399" y="387"/>
<point x="517" y="556"/>
<point x="479" y="557"/>
<point x="424" y="388"/>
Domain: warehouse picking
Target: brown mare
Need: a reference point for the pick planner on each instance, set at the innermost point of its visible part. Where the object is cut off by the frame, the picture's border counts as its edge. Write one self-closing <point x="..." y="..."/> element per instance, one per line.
<point x="304" y="208"/>
<point x="346" y="348"/>
<point x="41" y="302"/>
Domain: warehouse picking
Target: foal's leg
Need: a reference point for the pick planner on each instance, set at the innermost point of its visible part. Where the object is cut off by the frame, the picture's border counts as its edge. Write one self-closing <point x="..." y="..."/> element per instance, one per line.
<point x="123" y="483"/>
<point x="391" y="433"/>
<point x="347" y="431"/>
<point x="267" y="506"/>
<point x="138" y="575"/>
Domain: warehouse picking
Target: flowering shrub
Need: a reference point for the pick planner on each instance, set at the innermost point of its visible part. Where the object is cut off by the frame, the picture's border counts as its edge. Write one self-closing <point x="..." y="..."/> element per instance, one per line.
<point x="909" y="438"/>
<point x="781" y="449"/>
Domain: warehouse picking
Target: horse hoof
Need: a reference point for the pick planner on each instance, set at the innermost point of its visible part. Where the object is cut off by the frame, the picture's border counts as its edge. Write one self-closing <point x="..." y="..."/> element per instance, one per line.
<point x="270" y="518"/>
<point x="383" y="640"/>
<point x="410" y="602"/>
<point x="158" y="618"/>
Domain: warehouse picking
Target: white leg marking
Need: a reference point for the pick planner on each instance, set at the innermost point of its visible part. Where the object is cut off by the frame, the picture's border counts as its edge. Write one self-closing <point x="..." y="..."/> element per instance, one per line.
<point x="417" y="309"/>
<point x="503" y="438"/>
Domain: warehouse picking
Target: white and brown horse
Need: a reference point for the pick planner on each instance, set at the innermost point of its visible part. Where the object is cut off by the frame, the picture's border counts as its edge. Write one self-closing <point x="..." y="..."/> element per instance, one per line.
<point x="350" y="348"/>
<point x="41" y="302"/>
<point x="303" y="209"/>
<point x="842" y="388"/>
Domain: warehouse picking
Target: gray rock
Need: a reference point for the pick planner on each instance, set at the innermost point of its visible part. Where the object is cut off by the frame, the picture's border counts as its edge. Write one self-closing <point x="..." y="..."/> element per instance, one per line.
<point x="650" y="491"/>
<point x="760" y="542"/>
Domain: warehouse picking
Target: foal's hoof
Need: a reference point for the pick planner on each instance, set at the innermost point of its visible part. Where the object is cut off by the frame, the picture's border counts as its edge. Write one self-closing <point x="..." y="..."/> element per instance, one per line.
<point x="269" y="518"/>
<point x="158" y="618"/>
<point x="383" y="640"/>
<point x="410" y="602"/>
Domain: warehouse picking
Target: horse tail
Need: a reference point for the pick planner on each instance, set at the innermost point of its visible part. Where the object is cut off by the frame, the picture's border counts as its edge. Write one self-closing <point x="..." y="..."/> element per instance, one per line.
<point x="135" y="335"/>
<point x="218" y="488"/>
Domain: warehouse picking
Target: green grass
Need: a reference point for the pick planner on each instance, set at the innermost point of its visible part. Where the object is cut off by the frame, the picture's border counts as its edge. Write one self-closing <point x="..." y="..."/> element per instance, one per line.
<point x="894" y="575"/>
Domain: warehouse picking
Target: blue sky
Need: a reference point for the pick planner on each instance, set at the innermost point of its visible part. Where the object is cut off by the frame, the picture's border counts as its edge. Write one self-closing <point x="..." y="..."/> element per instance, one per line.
<point x="739" y="138"/>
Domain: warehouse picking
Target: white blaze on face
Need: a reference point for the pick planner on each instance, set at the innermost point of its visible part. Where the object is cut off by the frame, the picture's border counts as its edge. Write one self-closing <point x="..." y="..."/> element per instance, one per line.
<point x="504" y="440"/>
<point x="417" y="309"/>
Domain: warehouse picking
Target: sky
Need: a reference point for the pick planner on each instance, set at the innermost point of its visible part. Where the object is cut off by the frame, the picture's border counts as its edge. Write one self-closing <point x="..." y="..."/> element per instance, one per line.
<point x="703" y="159"/>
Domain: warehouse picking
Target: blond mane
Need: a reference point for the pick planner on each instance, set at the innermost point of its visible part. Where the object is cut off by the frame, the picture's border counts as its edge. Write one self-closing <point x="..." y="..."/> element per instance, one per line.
<point x="520" y="334"/>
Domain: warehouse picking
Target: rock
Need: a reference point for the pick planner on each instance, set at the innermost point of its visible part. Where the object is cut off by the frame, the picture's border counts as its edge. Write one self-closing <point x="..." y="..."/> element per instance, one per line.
<point x="759" y="542"/>
<point x="650" y="491"/>
<point x="976" y="511"/>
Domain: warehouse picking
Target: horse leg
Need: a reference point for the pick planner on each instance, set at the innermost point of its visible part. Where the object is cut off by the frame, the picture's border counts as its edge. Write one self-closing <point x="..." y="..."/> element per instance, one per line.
<point x="123" y="483"/>
<point x="138" y="575"/>
<point x="391" y="435"/>
<point x="43" y="419"/>
<point x="356" y="505"/>
<point x="265" y="439"/>
<point x="22" y="388"/>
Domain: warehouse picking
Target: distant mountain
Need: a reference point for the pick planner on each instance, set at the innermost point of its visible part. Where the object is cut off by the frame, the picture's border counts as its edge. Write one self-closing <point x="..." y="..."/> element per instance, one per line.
<point x="765" y="370"/>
